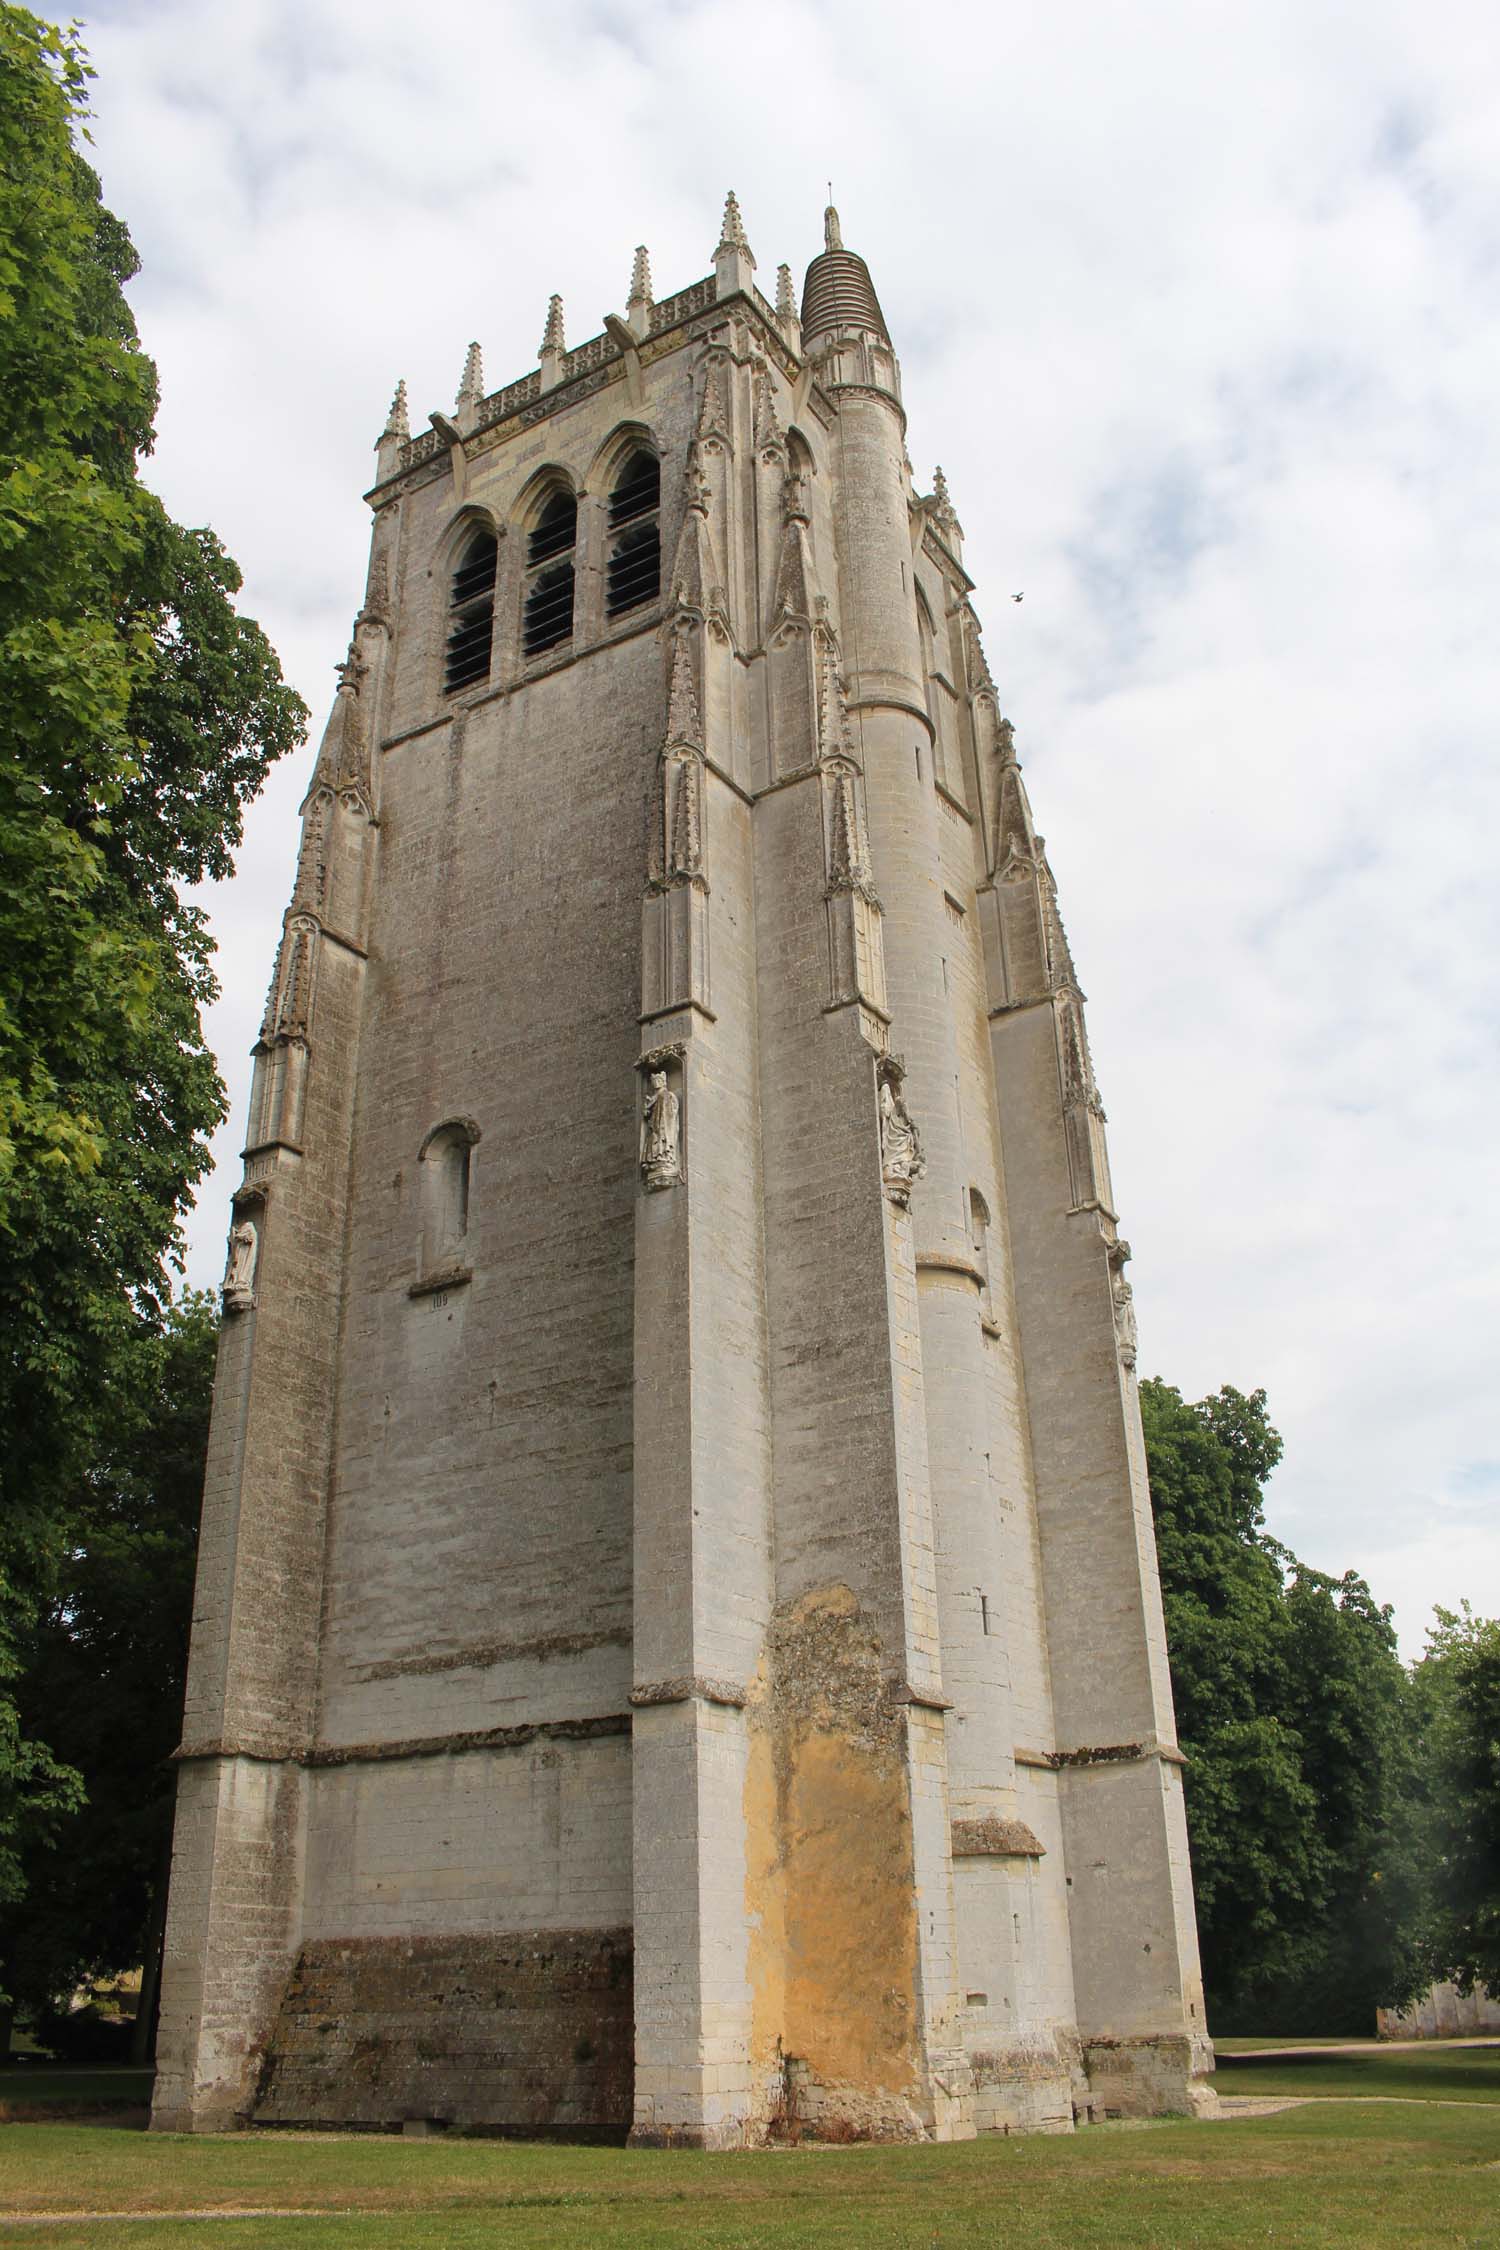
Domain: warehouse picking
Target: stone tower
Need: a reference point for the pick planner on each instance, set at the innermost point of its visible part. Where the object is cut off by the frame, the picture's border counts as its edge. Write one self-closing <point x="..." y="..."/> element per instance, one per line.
<point x="677" y="1643"/>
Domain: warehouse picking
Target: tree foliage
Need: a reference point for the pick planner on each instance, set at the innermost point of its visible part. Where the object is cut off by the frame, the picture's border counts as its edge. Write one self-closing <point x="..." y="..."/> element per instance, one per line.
<point x="1457" y="1684"/>
<point x="138" y="714"/>
<point x="1294" y="1712"/>
<point x="103" y="1672"/>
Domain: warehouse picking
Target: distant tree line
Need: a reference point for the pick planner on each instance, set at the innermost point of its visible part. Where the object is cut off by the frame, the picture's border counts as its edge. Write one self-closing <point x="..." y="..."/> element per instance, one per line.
<point x="1343" y="1810"/>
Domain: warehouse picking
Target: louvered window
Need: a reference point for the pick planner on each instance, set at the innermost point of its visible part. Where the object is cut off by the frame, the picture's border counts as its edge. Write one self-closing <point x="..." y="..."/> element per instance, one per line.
<point x="471" y="615"/>
<point x="635" y="556"/>
<point x="549" y="582"/>
<point x="637" y="490"/>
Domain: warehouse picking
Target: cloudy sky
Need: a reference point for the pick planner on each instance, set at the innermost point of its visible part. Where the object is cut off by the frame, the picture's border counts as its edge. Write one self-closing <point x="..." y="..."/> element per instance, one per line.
<point x="1196" y="305"/>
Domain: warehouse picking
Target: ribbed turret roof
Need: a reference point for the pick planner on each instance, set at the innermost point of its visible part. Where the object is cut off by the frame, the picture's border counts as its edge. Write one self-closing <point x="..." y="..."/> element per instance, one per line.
<point x="838" y="291"/>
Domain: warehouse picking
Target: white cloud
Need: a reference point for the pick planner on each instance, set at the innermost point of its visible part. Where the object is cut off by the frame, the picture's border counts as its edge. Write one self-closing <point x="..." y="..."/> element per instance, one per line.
<point x="1195" y="304"/>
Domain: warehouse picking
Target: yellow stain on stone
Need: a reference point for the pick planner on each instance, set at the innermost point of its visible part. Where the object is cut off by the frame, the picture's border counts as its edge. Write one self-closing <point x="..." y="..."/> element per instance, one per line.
<point x="830" y="1880"/>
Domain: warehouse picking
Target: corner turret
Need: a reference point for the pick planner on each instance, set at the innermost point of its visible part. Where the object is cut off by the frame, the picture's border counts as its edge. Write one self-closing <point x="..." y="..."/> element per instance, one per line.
<point x="843" y="327"/>
<point x="838" y="293"/>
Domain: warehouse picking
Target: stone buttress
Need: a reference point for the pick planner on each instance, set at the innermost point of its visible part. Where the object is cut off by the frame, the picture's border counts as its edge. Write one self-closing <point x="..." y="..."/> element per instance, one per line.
<point x="677" y="1646"/>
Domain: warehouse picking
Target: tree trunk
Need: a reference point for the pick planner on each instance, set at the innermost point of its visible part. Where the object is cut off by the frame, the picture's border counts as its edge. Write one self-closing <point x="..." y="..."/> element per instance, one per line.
<point x="143" y="2042"/>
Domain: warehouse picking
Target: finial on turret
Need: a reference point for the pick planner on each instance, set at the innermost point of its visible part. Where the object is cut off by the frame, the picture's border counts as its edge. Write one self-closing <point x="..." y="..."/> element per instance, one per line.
<point x="553" y="345"/>
<point x="393" y="437"/>
<point x="734" y="260"/>
<point x="832" y="234"/>
<point x="553" y="339"/>
<point x="943" y="512"/>
<point x="786" y="308"/>
<point x="471" y="389"/>
<point x="638" y="304"/>
<point x="732" y="236"/>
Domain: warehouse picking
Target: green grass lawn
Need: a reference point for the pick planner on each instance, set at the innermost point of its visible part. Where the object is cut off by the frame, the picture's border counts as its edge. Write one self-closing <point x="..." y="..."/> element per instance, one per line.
<point x="49" y="2086"/>
<point x="1238" y="2046"/>
<point x="1335" y="2172"/>
<point x="1427" y="2073"/>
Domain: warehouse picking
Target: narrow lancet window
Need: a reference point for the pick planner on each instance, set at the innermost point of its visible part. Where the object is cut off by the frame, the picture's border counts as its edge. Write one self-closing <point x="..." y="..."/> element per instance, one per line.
<point x="635" y="556"/>
<point x="549" y="580"/>
<point x="471" y="614"/>
<point x="979" y="1229"/>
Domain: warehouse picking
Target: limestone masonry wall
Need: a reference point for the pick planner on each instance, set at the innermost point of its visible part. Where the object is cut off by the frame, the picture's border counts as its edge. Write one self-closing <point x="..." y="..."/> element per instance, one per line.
<point x="531" y="2030"/>
<point x="677" y="1646"/>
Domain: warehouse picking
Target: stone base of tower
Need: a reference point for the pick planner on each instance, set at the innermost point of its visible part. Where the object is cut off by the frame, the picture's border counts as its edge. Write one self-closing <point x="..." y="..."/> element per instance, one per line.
<point x="1032" y="2085"/>
<point x="230" y="1937"/>
<point x="1163" y="2077"/>
<point x="802" y="2108"/>
<point x="522" y="2031"/>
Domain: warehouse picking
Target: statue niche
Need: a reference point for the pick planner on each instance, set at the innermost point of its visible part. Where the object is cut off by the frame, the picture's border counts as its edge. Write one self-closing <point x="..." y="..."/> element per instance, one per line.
<point x="661" y="1133"/>
<point x="239" y="1271"/>
<point x="1126" y="1334"/>
<point x="901" y="1161"/>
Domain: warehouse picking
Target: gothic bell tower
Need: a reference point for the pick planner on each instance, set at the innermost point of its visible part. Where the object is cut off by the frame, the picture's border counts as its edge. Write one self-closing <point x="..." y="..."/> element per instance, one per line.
<point x="677" y="1645"/>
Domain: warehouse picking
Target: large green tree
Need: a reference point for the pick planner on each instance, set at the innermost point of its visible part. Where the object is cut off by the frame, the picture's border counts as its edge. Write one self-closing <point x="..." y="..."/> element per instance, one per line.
<point x="138" y="714"/>
<point x="1295" y="1714"/>
<point x="102" y="1675"/>
<point x="1457" y="1684"/>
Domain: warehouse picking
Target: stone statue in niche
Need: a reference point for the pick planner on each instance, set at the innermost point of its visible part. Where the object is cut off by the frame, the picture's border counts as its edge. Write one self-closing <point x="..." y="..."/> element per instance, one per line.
<point x="239" y="1273"/>
<point x="661" y="1119"/>
<point x="1125" y="1328"/>
<point x="901" y="1162"/>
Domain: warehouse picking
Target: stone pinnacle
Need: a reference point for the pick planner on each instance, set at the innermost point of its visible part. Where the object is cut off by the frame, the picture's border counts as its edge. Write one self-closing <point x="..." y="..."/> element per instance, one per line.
<point x="732" y="236"/>
<point x="552" y="336"/>
<point x="471" y="389"/>
<point x="397" y="422"/>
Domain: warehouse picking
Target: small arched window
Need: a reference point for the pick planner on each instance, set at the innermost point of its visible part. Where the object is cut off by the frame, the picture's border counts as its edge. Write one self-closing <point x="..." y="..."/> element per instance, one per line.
<point x="549" y="577"/>
<point x="635" y="554"/>
<point x="471" y="614"/>
<point x="445" y="1194"/>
